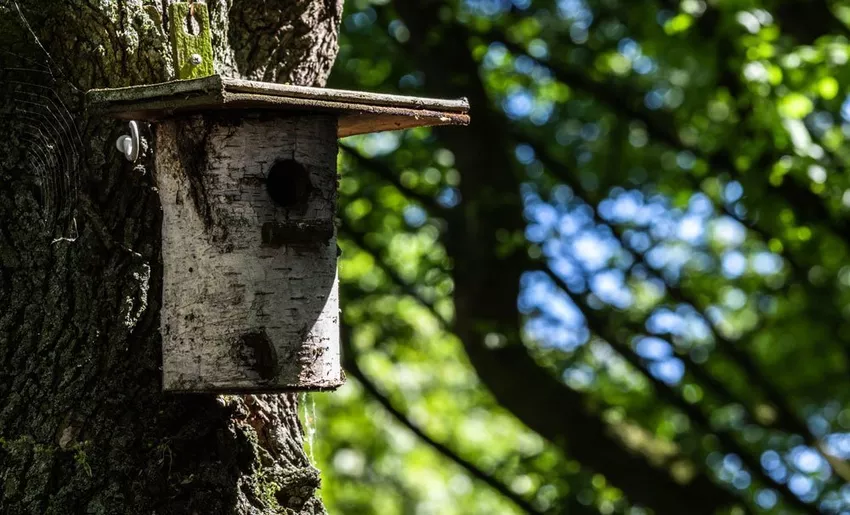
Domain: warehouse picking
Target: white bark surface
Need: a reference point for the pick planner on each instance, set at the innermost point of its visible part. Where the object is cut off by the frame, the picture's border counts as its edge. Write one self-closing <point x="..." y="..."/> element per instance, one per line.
<point x="239" y="314"/>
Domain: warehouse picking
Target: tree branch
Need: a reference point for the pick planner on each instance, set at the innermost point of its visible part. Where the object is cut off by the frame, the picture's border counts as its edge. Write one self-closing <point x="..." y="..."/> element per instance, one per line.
<point x="351" y="365"/>
<point x="560" y="415"/>
<point x="806" y="205"/>
<point x="386" y="173"/>
<point x="601" y="327"/>
<point x="485" y="304"/>
<point x="358" y="238"/>
<point x="787" y="419"/>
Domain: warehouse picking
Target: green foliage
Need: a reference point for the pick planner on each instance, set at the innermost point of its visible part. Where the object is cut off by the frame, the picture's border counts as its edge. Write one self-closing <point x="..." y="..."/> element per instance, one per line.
<point x="669" y="184"/>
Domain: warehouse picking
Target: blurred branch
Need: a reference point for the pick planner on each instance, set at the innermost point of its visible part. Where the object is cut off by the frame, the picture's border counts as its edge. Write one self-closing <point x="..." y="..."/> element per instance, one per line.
<point x="729" y="78"/>
<point x="708" y="27"/>
<point x="787" y="419"/>
<point x="597" y="324"/>
<point x="351" y="365"/>
<point x="359" y="239"/>
<point x="560" y="415"/>
<point x="675" y="292"/>
<point x="808" y="206"/>
<point x="487" y="270"/>
<point x="808" y="21"/>
<point x="386" y="173"/>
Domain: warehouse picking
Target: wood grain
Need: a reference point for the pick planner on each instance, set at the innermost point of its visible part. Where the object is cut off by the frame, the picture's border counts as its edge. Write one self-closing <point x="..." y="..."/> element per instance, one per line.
<point x="358" y="112"/>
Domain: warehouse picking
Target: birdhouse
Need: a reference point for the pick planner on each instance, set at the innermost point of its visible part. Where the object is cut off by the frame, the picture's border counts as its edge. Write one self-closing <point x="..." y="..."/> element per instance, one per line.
<point x="246" y="175"/>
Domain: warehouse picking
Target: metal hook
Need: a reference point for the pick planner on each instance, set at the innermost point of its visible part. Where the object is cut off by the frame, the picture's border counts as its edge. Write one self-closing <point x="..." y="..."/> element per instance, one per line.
<point x="129" y="145"/>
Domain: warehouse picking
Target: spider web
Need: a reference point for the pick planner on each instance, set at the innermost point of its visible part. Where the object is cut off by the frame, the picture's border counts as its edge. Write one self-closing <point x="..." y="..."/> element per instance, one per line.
<point x="42" y="128"/>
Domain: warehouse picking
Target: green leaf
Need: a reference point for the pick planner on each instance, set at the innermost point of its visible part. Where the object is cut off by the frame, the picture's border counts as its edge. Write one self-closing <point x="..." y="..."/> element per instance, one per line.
<point x="795" y="105"/>
<point x="828" y="88"/>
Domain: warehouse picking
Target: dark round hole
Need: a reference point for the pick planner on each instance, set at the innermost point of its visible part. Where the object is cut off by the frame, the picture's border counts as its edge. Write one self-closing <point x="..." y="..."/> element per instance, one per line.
<point x="288" y="183"/>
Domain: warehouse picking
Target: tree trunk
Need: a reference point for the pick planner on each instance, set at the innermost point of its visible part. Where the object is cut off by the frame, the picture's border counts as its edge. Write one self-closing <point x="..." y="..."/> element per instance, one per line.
<point x="84" y="425"/>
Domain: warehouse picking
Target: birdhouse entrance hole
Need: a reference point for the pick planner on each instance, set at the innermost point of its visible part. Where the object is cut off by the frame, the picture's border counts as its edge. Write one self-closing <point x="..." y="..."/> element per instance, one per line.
<point x="288" y="184"/>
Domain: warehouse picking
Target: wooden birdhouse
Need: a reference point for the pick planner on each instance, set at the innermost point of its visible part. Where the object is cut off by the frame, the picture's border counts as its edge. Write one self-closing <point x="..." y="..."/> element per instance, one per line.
<point x="246" y="174"/>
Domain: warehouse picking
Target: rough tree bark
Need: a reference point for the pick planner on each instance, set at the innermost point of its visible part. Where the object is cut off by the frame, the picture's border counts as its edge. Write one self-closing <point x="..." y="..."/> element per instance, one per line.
<point x="84" y="426"/>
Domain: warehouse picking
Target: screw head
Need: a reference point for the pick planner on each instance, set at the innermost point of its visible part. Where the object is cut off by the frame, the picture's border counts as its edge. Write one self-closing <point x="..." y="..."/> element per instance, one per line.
<point x="196" y="59"/>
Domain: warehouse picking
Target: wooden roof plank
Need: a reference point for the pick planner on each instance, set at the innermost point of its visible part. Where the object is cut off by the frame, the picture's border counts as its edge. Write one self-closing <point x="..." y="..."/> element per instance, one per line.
<point x="359" y="112"/>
